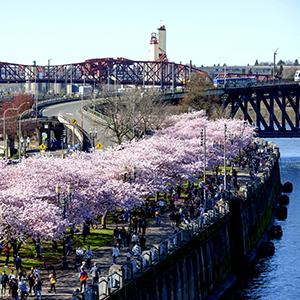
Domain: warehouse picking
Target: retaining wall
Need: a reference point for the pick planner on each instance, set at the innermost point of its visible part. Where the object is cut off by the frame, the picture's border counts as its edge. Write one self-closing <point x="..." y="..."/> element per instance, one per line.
<point x="201" y="268"/>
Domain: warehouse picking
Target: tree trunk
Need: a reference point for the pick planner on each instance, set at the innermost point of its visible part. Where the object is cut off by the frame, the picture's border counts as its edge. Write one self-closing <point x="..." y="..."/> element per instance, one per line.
<point x="103" y="222"/>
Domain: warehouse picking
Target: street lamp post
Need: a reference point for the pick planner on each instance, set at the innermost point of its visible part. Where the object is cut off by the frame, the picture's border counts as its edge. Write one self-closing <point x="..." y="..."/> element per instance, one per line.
<point x="64" y="203"/>
<point x="48" y="87"/>
<point x="203" y="143"/>
<point x="225" y="181"/>
<point x="274" y="64"/>
<point x="93" y="135"/>
<point x="20" y="128"/>
<point x="4" y="139"/>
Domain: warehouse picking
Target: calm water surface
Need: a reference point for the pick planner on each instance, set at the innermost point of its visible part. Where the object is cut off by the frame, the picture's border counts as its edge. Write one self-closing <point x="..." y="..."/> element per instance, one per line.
<point x="278" y="277"/>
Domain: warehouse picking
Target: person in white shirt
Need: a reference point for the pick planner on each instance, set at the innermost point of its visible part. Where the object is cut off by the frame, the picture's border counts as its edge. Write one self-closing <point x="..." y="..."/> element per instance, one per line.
<point x="115" y="253"/>
<point x="136" y="250"/>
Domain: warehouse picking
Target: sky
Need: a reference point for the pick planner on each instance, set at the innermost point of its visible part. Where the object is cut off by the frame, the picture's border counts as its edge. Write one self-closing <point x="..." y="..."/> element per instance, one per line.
<point x="235" y="32"/>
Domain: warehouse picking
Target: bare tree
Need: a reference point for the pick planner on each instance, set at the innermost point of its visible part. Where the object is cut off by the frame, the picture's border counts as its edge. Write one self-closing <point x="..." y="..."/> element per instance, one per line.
<point x="133" y="114"/>
<point x="198" y="95"/>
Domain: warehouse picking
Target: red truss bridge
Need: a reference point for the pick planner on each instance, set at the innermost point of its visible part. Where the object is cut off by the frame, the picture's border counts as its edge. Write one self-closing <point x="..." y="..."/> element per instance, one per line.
<point x="102" y="70"/>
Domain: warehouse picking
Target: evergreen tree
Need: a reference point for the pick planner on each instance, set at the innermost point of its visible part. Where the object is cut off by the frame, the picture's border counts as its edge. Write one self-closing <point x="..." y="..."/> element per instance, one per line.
<point x="296" y="63"/>
<point x="256" y="63"/>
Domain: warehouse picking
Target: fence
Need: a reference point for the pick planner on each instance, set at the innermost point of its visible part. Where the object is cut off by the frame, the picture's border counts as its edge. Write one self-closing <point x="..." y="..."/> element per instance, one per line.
<point x="139" y="265"/>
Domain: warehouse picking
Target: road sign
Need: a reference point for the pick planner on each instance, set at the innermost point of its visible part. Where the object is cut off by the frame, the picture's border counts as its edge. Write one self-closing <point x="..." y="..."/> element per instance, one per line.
<point x="99" y="146"/>
<point x="74" y="121"/>
<point x="43" y="147"/>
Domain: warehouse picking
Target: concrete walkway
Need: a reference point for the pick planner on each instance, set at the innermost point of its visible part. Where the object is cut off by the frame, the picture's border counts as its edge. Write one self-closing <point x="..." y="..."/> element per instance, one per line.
<point x="67" y="280"/>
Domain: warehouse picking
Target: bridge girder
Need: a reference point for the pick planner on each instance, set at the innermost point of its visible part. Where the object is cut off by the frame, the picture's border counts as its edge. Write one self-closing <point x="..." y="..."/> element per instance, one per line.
<point x="103" y="70"/>
<point x="273" y="109"/>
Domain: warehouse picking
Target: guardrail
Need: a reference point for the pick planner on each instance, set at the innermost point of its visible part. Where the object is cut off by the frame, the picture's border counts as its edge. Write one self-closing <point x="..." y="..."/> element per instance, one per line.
<point x="66" y="122"/>
<point x="117" y="280"/>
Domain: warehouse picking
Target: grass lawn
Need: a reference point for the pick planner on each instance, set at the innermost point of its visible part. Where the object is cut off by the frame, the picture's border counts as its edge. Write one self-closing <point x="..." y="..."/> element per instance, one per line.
<point x="97" y="238"/>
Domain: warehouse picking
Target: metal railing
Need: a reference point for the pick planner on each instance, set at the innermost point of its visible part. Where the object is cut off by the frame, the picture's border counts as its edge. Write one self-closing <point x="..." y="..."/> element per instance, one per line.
<point x="140" y="264"/>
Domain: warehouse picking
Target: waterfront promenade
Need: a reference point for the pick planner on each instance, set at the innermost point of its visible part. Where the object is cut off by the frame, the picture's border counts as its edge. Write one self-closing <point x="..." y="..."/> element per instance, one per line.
<point x="67" y="280"/>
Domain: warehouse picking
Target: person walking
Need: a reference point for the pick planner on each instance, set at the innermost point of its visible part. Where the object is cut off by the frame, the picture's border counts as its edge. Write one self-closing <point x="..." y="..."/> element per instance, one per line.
<point x="83" y="278"/>
<point x="88" y="257"/>
<point x="18" y="262"/>
<point x="136" y="250"/>
<point x="11" y="277"/>
<point x="6" y="250"/>
<point x="172" y="219"/>
<point x="4" y="282"/>
<point x="96" y="273"/>
<point x="52" y="278"/>
<point x="115" y="253"/>
<point x="144" y="226"/>
<point x="143" y="243"/>
<point x="31" y="278"/>
<point x="14" y="290"/>
<point x="128" y="255"/>
<point x="116" y="234"/>
<point x="38" y="286"/>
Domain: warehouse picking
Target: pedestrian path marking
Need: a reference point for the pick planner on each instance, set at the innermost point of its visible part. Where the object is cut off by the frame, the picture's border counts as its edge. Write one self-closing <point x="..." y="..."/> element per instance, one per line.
<point x="43" y="147"/>
<point x="99" y="145"/>
<point x="74" y="121"/>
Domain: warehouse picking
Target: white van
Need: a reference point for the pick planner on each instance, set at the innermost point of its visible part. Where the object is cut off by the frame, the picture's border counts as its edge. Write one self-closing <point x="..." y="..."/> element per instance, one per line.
<point x="297" y="76"/>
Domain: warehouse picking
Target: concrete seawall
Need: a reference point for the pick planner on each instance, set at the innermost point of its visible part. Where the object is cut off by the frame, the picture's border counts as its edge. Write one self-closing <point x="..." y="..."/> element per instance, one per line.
<point x="205" y="266"/>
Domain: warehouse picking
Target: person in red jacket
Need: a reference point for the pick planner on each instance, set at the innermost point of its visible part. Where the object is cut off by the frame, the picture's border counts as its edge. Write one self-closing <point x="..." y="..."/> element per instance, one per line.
<point x="6" y="249"/>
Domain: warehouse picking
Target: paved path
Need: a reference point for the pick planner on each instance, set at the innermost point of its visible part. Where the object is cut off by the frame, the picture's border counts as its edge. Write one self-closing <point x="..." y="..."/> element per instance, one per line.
<point x="67" y="280"/>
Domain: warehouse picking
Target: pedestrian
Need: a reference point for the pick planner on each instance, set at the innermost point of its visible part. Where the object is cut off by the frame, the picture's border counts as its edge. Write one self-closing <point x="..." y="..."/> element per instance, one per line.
<point x="82" y="278"/>
<point x="88" y="257"/>
<point x="140" y="221"/>
<point x="30" y="277"/>
<point x="128" y="238"/>
<point x="144" y="226"/>
<point x="38" y="286"/>
<point x="143" y="242"/>
<point x="36" y="271"/>
<point x="172" y="219"/>
<point x="115" y="253"/>
<point x="119" y="240"/>
<point x="136" y="250"/>
<point x="69" y="245"/>
<point x="96" y="273"/>
<point x="176" y="199"/>
<point x="6" y="250"/>
<point x="177" y="219"/>
<point x="4" y="281"/>
<point x="123" y="235"/>
<point x="135" y="238"/>
<point x="11" y="277"/>
<point x="18" y="262"/>
<point x="23" y="290"/>
<point x="14" y="290"/>
<point x="52" y="278"/>
<point x="128" y="255"/>
<point x="116" y="233"/>
<point x="83" y="265"/>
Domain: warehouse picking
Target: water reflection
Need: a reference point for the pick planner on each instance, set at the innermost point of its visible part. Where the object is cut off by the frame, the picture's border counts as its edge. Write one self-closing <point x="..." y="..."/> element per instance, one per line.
<point x="278" y="277"/>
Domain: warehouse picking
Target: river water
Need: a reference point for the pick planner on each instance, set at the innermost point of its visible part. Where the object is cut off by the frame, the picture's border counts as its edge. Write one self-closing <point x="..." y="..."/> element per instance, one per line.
<point x="278" y="277"/>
